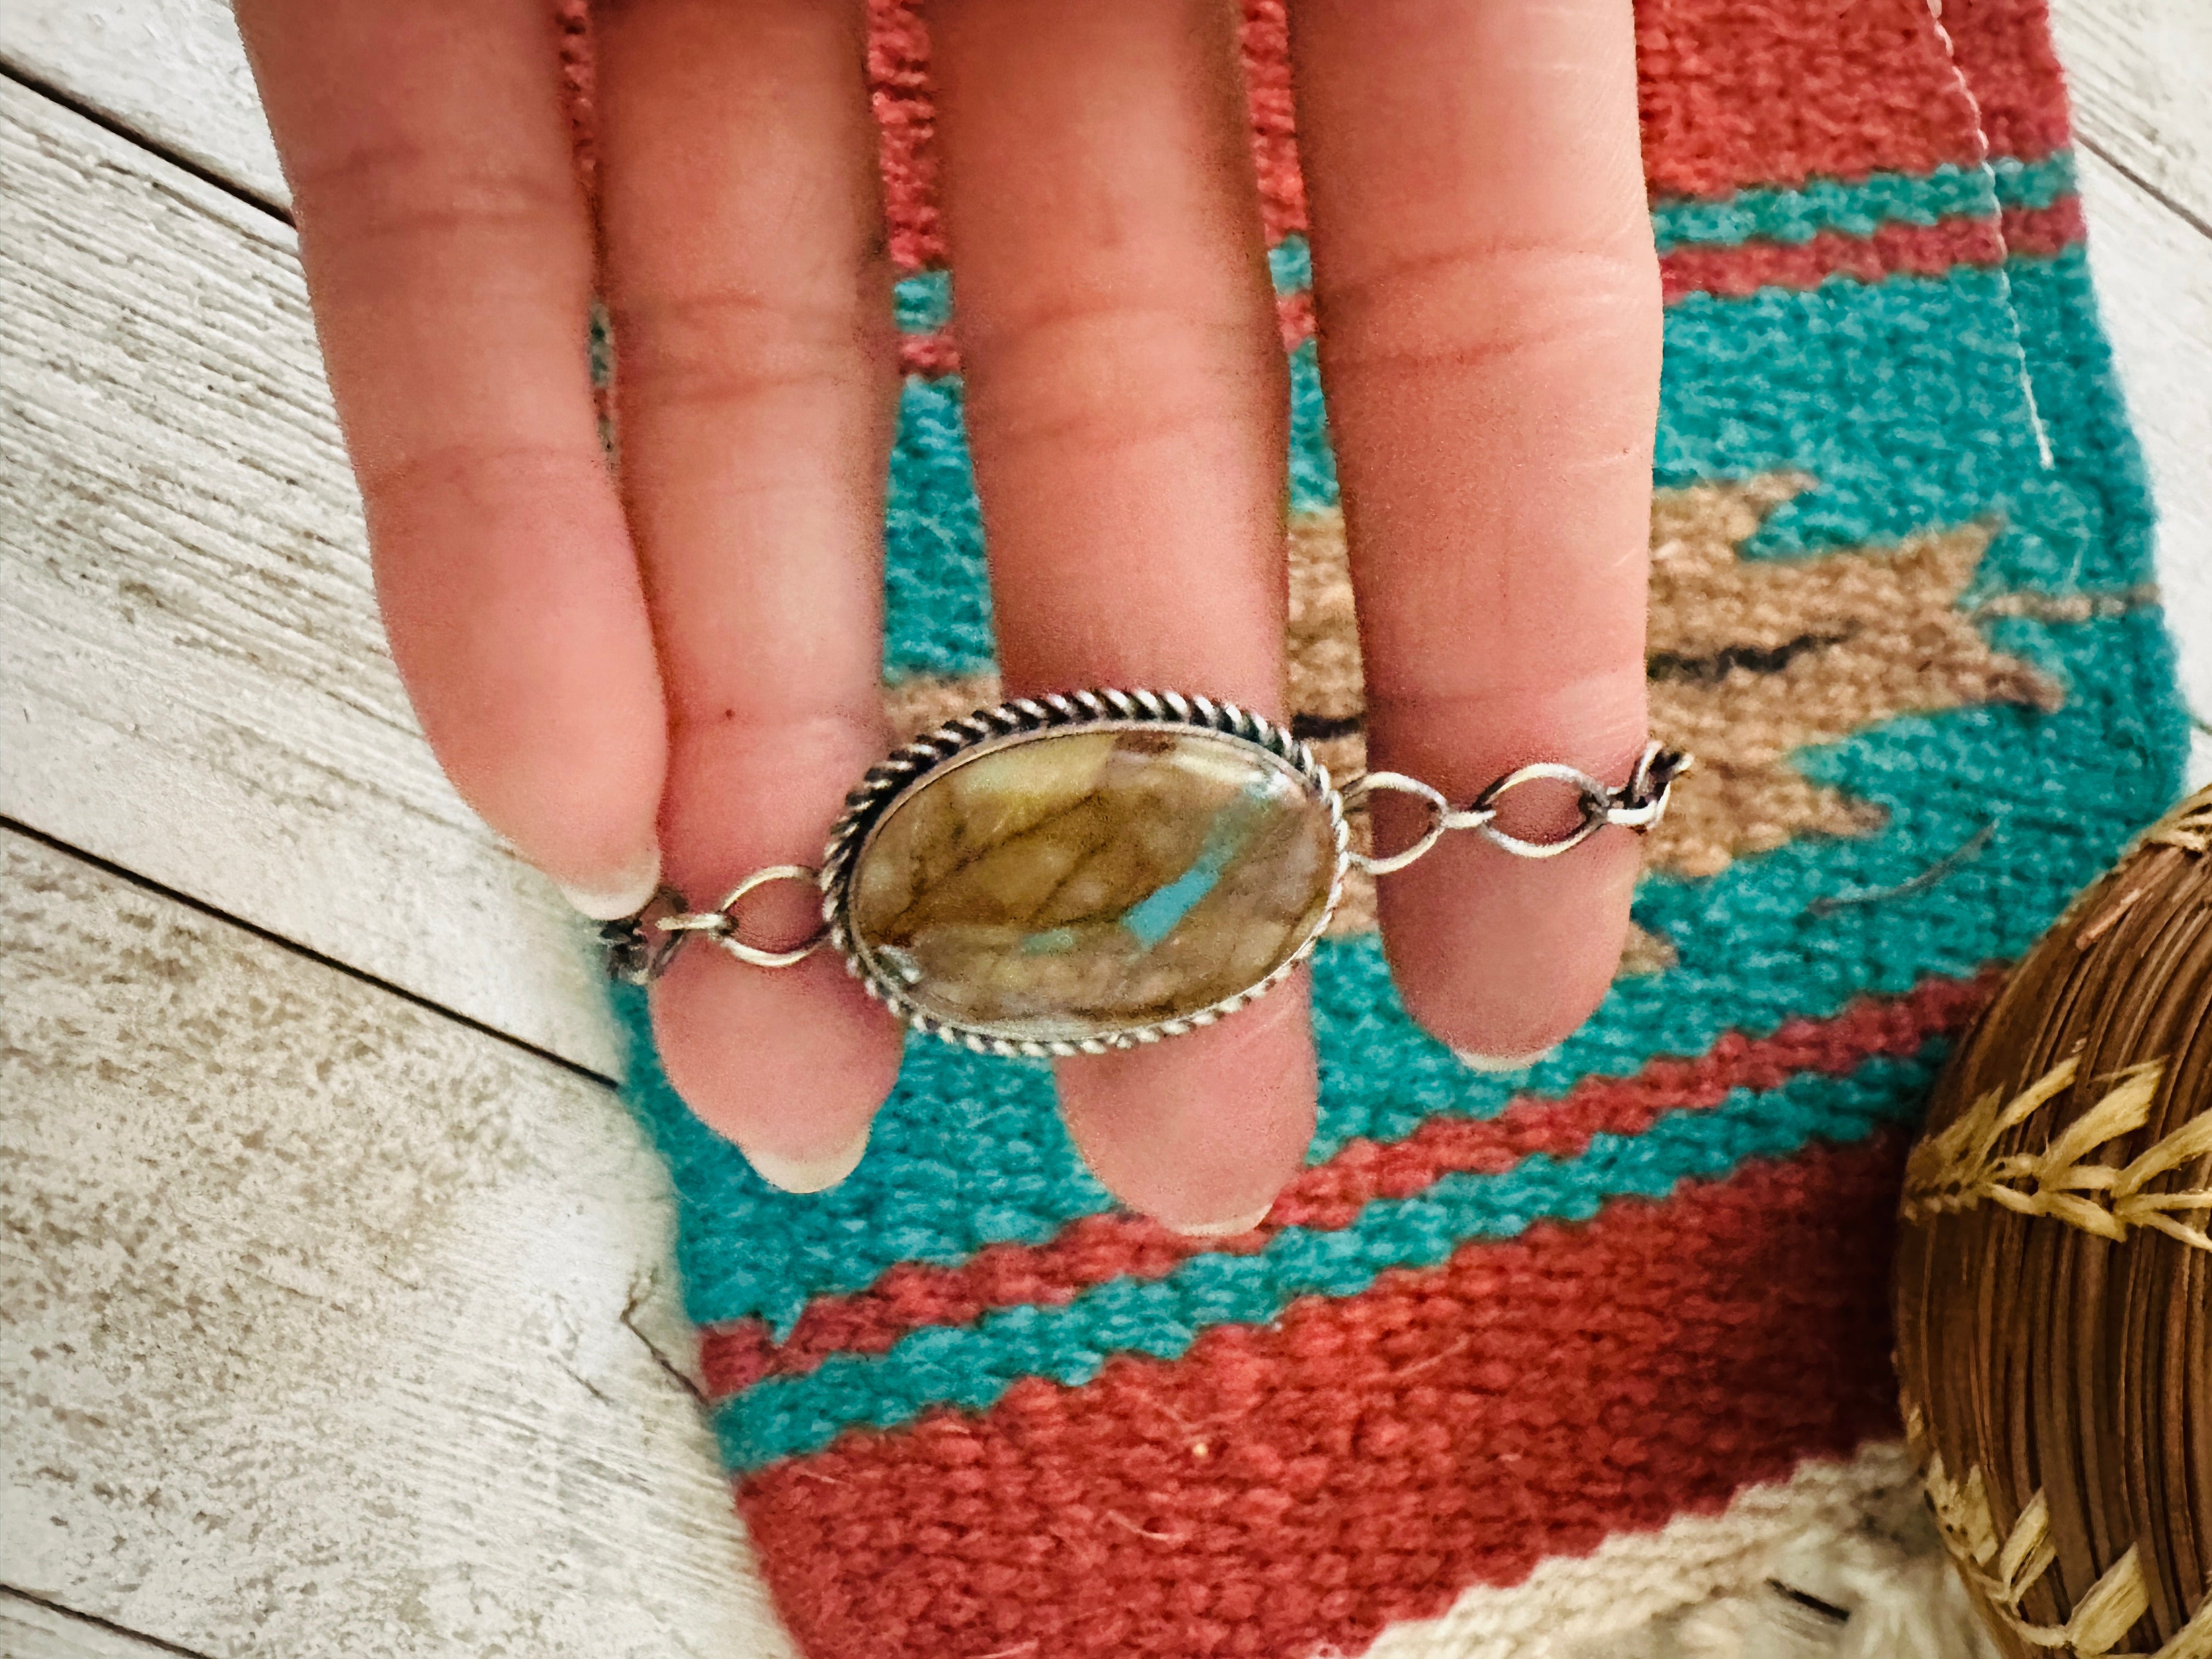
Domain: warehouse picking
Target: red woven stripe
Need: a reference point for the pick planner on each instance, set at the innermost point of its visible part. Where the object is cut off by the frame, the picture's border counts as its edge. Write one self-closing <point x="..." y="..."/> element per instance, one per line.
<point x="1915" y="250"/>
<point x="1364" y="1459"/>
<point x="1734" y="93"/>
<point x="1266" y="43"/>
<point x="1749" y="92"/>
<point x="2003" y="48"/>
<point x="933" y="353"/>
<point x="906" y="121"/>
<point x="1909" y="249"/>
<point x="2044" y="232"/>
<point x="1100" y="1248"/>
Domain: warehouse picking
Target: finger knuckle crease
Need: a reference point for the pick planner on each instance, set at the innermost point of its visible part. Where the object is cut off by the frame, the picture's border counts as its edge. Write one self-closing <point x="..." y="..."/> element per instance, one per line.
<point x="1483" y="305"/>
<point x="734" y="345"/>
<point x="399" y="192"/>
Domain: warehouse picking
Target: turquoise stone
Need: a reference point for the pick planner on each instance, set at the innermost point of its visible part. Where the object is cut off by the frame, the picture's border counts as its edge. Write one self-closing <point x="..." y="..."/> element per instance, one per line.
<point x="1065" y="886"/>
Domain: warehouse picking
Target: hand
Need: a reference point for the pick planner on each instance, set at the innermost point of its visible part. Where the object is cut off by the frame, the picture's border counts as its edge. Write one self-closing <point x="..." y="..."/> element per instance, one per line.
<point x="673" y="669"/>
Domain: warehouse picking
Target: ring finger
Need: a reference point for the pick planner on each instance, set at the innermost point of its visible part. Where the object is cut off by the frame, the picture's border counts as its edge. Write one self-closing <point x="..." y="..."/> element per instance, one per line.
<point x="753" y="394"/>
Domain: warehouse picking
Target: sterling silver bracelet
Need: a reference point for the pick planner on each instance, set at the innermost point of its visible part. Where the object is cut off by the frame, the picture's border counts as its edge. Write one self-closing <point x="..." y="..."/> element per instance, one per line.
<point x="1076" y="873"/>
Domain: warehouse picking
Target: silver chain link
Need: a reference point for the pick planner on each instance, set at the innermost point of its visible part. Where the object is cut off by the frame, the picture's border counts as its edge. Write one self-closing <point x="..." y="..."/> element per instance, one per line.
<point x="639" y="948"/>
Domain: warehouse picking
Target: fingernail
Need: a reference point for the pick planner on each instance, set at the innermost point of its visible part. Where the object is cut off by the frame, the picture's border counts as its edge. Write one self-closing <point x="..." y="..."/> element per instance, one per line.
<point x="1475" y="1062"/>
<point x="1230" y="1229"/>
<point x="807" y="1174"/>
<point x="622" y="894"/>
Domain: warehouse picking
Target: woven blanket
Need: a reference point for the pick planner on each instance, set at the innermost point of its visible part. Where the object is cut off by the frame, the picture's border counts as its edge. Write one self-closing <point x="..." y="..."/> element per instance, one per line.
<point x="1494" y="1354"/>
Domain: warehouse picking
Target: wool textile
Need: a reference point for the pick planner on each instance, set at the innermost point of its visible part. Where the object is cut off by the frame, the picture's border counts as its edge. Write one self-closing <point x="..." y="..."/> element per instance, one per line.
<point x="1505" y="1325"/>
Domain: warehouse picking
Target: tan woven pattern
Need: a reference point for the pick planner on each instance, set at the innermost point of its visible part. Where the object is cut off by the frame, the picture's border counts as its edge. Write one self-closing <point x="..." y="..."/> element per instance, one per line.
<point x="2002" y="1570"/>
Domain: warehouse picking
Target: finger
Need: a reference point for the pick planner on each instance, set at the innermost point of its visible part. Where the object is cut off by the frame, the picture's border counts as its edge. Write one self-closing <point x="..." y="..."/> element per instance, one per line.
<point x="449" y="254"/>
<point x="1126" y="407"/>
<point x="752" y="322"/>
<point x="1487" y="305"/>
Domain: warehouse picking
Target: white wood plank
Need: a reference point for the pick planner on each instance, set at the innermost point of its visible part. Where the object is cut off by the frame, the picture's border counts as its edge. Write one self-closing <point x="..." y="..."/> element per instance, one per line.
<point x="196" y="686"/>
<point x="2153" y="278"/>
<point x="321" y="1314"/>
<point x="29" y="1630"/>
<point x="173" y="71"/>
<point x="2141" y="73"/>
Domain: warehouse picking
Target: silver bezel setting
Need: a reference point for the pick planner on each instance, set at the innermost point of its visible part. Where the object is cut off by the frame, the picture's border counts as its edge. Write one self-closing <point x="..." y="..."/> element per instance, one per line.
<point x="1019" y="719"/>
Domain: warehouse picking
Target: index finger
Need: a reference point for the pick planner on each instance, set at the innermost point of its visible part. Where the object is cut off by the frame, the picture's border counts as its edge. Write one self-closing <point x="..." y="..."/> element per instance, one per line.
<point x="1487" y="303"/>
<point x="449" y="257"/>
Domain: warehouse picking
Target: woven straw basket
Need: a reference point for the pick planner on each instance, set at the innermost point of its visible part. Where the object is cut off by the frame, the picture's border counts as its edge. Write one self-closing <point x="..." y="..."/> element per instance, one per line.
<point x="2054" y="1286"/>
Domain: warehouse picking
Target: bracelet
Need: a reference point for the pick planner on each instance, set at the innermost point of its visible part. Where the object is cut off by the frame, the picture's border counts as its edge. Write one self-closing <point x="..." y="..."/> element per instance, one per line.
<point x="1076" y="873"/>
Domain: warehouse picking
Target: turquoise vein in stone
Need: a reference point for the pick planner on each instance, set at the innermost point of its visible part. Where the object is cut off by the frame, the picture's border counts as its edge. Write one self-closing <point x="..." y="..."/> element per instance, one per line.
<point x="1152" y="918"/>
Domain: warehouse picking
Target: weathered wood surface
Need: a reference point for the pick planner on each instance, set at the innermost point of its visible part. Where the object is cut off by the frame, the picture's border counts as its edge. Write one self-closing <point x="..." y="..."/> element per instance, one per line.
<point x="322" y="1314"/>
<point x="31" y="1630"/>
<point x="2140" y="72"/>
<point x="172" y="71"/>
<point x="196" y="685"/>
<point x="2153" y="278"/>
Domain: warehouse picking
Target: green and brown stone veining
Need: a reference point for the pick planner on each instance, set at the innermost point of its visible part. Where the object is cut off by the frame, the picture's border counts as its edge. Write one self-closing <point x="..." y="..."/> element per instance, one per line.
<point x="1075" y="885"/>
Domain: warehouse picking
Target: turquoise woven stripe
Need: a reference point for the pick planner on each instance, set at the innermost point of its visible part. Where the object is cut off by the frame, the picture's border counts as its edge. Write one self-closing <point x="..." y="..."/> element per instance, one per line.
<point x="937" y="593"/>
<point x="971" y="1366"/>
<point x="924" y="301"/>
<point x="1798" y="215"/>
<point x="1313" y="463"/>
<point x="1839" y="381"/>
<point x="1903" y="398"/>
<point x="2033" y="183"/>
<point x="1861" y="208"/>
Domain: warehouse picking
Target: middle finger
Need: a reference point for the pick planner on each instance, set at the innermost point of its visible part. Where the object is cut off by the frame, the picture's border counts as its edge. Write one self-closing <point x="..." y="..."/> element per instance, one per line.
<point x="1127" y="404"/>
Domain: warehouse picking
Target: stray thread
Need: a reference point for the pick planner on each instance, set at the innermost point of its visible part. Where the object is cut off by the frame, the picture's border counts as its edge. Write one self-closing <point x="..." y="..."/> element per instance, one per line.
<point x="1970" y="848"/>
<point x="2068" y="607"/>
<point x="1124" y="1521"/>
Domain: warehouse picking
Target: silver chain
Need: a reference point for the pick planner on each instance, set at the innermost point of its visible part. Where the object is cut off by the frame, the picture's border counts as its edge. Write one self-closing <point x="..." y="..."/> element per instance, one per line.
<point x="1637" y="804"/>
<point x="640" y="948"/>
